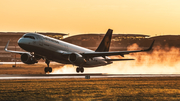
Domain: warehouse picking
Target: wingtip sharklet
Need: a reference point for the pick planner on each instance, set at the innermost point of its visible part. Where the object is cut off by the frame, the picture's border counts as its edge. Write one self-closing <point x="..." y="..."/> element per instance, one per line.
<point x="7" y="45"/>
<point x="17" y="52"/>
<point x="150" y="46"/>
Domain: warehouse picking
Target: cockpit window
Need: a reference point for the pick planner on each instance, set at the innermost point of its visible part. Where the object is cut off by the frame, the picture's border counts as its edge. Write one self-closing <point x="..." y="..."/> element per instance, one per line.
<point x="31" y="37"/>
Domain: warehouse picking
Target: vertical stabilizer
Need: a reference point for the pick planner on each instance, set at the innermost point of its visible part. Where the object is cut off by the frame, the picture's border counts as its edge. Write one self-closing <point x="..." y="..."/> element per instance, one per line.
<point x="105" y="43"/>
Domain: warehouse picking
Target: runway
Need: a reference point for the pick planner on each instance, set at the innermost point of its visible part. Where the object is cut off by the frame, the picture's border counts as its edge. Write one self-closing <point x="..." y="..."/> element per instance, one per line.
<point x="92" y="75"/>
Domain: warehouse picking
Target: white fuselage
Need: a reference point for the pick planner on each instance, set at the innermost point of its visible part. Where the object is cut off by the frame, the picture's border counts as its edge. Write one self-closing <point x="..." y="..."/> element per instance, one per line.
<point x="55" y="50"/>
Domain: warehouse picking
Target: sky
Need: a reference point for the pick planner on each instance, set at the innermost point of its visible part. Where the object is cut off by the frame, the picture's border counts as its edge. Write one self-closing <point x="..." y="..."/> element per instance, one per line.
<point x="150" y="17"/>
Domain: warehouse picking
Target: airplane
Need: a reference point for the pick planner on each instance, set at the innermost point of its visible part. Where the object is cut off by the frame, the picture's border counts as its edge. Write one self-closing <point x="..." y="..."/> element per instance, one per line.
<point x="43" y="47"/>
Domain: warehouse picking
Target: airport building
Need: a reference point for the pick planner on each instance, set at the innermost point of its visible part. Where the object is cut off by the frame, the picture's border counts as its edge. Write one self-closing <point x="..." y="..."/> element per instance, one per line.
<point x="91" y="41"/>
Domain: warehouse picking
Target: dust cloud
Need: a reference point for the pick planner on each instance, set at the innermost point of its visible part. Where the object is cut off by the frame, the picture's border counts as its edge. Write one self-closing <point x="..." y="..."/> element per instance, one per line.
<point x="157" y="61"/>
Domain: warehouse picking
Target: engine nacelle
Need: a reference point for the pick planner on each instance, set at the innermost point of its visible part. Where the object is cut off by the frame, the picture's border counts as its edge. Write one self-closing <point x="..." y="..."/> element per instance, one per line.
<point x="76" y="59"/>
<point x="28" y="59"/>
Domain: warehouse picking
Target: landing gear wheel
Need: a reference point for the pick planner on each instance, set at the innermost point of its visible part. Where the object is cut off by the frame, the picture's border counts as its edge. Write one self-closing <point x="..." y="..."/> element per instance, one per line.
<point x="77" y="70"/>
<point x="50" y="69"/>
<point x="47" y="69"/>
<point x="82" y="70"/>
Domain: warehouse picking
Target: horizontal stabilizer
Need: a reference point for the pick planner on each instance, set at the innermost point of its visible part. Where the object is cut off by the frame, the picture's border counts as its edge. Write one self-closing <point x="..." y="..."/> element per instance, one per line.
<point x="118" y="59"/>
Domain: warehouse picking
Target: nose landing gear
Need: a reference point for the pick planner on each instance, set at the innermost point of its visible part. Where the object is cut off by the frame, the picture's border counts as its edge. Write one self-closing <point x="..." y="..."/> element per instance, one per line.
<point x="47" y="69"/>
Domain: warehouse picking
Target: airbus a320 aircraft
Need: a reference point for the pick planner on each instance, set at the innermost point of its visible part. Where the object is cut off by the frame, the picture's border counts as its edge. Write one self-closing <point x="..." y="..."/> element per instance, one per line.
<point x="39" y="46"/>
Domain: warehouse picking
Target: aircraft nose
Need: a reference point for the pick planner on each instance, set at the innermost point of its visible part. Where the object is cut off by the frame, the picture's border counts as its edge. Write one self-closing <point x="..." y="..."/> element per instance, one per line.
<point x="21" y="42"/>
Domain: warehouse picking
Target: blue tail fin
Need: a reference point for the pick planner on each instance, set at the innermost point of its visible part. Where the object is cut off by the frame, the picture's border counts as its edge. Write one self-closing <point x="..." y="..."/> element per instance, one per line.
<point x="105" y="43"/>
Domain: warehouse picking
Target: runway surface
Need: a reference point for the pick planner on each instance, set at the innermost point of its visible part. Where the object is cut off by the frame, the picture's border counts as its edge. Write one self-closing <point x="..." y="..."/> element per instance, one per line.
<point x="92" y="75"/>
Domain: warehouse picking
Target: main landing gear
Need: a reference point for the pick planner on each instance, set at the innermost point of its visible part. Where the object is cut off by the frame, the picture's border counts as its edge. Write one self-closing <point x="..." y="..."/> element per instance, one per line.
<point x="79" y="69"/>
<point x="47" y="69"/>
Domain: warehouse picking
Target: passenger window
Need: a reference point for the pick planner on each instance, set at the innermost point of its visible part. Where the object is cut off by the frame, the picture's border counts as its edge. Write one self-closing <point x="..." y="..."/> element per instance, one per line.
<point x="31" y="37"/>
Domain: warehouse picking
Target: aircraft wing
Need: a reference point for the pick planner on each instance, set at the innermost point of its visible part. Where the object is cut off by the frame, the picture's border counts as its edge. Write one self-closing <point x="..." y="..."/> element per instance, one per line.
<point x="17" y="52"/>
<point x="122" y="53"/>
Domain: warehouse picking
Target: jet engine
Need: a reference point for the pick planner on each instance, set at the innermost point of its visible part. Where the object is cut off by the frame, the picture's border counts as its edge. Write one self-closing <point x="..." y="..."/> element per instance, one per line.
<point x="76" y="59"/>
<point x="28" y="59"/>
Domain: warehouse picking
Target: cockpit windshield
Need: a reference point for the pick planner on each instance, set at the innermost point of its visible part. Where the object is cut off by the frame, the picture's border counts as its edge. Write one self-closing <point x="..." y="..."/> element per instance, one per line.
<point x="27" y="36"/>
